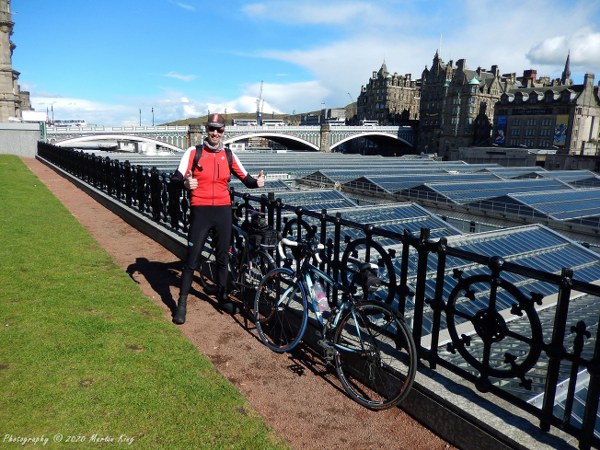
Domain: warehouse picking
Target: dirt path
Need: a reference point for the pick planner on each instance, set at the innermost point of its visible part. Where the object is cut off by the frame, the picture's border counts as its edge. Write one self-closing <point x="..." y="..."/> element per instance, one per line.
<point x="295" y="393"/>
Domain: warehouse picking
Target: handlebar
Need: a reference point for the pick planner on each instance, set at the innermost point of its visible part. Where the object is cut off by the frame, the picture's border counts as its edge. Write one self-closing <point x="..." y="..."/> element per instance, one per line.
<point x="306" y="247"/>
<point x="365" y="276"/>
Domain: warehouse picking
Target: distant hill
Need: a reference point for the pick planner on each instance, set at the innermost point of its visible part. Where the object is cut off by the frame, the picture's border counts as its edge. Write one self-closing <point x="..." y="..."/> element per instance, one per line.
<point x="229" y="118"/>
<point x="289" y="118"/>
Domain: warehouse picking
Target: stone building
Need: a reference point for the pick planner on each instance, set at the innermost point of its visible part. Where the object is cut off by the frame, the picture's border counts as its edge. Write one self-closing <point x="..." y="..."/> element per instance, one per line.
<point x="558" y="115"/>
<point x="12" y="100"/>
<point x="457" y="105"/>
<point x="389" y="99"/>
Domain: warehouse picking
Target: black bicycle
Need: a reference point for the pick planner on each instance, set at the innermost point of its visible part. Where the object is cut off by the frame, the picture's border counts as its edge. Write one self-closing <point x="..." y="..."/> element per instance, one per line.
<point x="250" y="257"/>
<point x="372" y="347"/>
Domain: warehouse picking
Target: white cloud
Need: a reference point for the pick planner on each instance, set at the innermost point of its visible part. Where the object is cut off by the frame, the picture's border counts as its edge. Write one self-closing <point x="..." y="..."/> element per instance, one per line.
<point x="311" y="12"/>
<point x="185" y="6"/>
<point x="179" y="76"/>
<point x="76" y="108"/>
<point x="547" y="51"/>
<point x="583" y="46"/>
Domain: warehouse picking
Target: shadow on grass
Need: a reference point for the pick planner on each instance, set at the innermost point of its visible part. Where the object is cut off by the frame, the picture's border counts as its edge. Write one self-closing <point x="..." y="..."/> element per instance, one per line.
<point x="162" y="277"/>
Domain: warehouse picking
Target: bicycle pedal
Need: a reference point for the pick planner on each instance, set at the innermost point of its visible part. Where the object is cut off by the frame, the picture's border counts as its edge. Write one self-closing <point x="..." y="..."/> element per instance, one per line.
<point x="328" y="348"/>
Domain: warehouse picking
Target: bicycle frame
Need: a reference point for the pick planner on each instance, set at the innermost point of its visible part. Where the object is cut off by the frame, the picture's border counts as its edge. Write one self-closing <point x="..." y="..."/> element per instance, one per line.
<point x="306" y="273"/>
<point x="240" y="252"/>
<point x="312" y="273"/>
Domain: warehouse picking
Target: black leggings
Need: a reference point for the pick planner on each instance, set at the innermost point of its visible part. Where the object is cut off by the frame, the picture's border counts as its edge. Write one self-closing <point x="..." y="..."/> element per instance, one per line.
<point x="202" y="219"/>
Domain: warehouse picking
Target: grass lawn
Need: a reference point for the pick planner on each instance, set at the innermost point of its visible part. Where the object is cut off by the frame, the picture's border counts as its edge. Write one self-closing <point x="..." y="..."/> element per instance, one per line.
<point x="84" y="356"/>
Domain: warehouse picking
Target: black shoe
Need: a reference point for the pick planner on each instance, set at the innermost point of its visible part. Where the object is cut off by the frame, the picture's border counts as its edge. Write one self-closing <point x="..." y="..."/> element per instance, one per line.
<point x="228" y="307"/>
<point x="179" y="316"/>
<point x="225" y="304"/>
<point x="211" y="289"/>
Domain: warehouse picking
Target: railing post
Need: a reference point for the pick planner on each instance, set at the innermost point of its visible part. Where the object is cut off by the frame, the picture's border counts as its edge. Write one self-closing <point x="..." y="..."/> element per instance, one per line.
<point x="437" y="303"/>
<point x="337" y="236"/>
<point x="555" y="349"/>
<point x="592" y="399"/>
<point x="419" y="299"/>
<point x="139" y="188"/>
<point x="403" y="290"/>
<point x="155" y="193"/>
<point x="271" y="209"/>
<point x="128" y="183"/>
<point x="175" y="193"/>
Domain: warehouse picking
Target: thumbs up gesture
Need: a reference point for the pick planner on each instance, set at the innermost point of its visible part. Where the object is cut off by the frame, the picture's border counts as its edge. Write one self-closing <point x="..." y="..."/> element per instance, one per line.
<point x="190" y="183"/>
<point x="260" y="180"/>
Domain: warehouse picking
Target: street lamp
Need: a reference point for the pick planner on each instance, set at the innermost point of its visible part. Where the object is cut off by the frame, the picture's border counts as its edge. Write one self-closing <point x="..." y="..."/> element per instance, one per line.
<point x="153" y="116"/>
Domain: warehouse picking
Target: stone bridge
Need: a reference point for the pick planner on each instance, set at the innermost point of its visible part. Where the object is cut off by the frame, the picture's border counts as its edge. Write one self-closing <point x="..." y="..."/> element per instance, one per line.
<point x="324" y="138"/>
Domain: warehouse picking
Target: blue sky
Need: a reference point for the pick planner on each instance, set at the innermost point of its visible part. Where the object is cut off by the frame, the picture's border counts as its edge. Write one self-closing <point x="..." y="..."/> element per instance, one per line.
<point x="104" y="61"/>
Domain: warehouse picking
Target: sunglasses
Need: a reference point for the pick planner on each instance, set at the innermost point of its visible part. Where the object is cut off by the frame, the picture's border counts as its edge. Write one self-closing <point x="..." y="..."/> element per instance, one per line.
<point x="217" y="129"/>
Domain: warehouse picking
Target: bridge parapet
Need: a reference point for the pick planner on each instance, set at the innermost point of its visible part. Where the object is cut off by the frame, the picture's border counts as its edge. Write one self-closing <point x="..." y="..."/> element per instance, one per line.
<point x="322" y="138"/>
<point x="175" y="135"/>
<point x="62" y="131"/>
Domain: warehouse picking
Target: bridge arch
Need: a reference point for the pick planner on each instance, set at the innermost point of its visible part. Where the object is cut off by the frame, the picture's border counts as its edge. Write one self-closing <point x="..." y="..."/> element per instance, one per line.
<point x="116" y="137"/>
<point x="274" y="136"/>
<point x="373" y="133"/>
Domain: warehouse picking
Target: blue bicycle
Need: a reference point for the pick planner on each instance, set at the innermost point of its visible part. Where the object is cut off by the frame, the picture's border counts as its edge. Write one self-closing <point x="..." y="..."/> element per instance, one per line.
<point x="371" y="346"/>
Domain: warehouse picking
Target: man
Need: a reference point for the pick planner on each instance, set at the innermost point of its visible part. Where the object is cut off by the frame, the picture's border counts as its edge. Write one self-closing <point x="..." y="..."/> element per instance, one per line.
<point x="210" y="202"/>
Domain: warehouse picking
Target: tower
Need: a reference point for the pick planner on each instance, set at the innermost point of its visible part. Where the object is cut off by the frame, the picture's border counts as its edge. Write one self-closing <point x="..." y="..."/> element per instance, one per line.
<point x="565" y="79"/>
<point x="10" y="95"/>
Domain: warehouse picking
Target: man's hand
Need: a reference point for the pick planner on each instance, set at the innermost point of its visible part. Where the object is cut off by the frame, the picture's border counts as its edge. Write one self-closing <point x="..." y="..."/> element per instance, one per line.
<point x="190" y="183"/>
<point x="260" y="180"/>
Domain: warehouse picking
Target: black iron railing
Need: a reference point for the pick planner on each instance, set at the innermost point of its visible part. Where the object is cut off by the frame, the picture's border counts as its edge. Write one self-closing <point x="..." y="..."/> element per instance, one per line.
<point x="563" y="355"/>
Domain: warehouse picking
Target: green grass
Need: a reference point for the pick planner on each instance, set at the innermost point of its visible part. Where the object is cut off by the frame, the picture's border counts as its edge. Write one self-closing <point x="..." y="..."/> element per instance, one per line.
<point x="84" y="353"/>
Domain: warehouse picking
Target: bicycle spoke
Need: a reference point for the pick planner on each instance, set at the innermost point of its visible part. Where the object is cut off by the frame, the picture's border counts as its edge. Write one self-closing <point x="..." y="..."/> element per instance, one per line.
<point x="280" y="311"/>
<point x="253" y="272"/>
<point x="375" y="356"/>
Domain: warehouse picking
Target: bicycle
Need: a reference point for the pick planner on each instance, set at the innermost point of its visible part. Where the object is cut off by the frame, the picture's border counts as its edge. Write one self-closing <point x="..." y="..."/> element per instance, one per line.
<point x="250" y="257"/>
<point x="371" y="346"/>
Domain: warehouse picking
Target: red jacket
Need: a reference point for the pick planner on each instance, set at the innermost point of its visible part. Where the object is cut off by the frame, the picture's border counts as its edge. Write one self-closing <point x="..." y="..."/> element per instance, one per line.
<point x="213" y="176"/>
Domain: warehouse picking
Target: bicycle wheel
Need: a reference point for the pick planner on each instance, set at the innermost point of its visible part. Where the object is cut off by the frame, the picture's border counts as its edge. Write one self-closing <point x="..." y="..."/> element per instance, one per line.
<point x="280" y="310"/>
<point x="375" y="357"/>
<point x="257" y="266"/>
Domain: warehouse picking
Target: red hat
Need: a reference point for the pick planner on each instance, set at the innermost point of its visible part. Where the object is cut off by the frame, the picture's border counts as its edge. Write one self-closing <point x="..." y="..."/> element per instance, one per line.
<point x="215" y="120"/>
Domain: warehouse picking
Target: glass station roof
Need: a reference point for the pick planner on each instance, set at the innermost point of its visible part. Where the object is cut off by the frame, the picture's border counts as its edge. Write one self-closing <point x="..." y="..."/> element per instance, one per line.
<point x="399" y="182"/>
<point x="565" y="204"/>
<point x="462" y="193"/>
<point x="534" y="246"/>
<point x="316" y="200"/>
<point x="270" y="186"/>
<point x="394" y="217"/>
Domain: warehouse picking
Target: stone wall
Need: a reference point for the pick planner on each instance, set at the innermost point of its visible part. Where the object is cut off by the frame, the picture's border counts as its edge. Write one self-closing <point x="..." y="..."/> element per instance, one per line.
<point x="19" y="138"/>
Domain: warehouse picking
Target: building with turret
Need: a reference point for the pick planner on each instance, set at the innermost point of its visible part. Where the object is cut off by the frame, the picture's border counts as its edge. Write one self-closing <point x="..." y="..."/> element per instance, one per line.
<point x="457" y="105"/>
<point x="545" y="114"/>
<point x="12" y="100"/>
<point x="389" y="99"/>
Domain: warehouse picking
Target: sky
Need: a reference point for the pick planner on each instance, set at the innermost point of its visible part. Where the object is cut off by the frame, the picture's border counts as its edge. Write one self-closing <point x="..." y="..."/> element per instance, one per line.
<point x="132" y="62"/>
